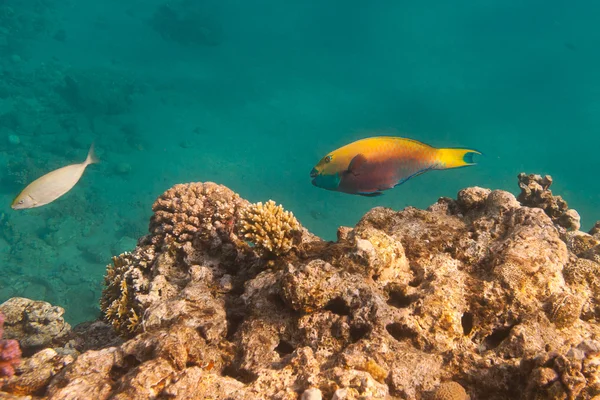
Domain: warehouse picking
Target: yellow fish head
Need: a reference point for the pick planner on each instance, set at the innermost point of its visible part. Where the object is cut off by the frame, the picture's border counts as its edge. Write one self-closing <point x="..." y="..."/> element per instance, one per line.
<point x="23" y="201"/>
<point x="326" y="174"/>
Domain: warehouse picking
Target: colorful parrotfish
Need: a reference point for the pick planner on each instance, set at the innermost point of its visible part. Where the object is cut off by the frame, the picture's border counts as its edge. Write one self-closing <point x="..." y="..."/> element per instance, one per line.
<point x="369" y="166"/>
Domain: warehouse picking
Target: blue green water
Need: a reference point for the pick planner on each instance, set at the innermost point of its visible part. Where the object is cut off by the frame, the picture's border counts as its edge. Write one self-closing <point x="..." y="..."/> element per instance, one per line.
<point x="251" y="94"/>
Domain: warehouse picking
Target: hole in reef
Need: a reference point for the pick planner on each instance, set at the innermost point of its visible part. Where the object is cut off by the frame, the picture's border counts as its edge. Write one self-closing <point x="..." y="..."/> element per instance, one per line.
<point x="467" y="323"/>
<point x="242" y="376"/>
<point x="284" y="348"/>
<point x="358" y="332"/>
<point x="338" y="306"/>
<point x="233" y="324"/>
<point x="276" y="299"/>
<point x="398" y="299"/>
<point x="129" y="362"/>
<point x="416" y="281"/>
<point x="494" y="339"/>
<point x="400" y="332"/>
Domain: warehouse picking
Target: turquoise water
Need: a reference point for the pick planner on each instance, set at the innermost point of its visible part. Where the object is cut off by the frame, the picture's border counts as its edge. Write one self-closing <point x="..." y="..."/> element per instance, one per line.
<point x="251" y="94"/>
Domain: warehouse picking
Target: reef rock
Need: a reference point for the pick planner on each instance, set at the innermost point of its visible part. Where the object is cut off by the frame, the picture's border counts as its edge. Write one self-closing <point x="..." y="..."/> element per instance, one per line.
<point x="483" y="297"/>
<point x="35" y="324"/>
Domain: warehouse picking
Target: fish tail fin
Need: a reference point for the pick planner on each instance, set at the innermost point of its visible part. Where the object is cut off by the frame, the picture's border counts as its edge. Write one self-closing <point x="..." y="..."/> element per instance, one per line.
<point x="91" y="157"/>
<point x="456" y="158"/>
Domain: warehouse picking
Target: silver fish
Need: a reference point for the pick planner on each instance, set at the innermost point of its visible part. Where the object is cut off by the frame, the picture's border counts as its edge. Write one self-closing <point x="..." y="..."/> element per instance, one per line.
<point x="54" y="184"/>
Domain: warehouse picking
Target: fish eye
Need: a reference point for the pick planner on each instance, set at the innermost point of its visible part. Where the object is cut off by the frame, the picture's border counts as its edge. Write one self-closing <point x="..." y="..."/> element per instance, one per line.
<point x="21" y="201"/>
<point x="327" y="159"/>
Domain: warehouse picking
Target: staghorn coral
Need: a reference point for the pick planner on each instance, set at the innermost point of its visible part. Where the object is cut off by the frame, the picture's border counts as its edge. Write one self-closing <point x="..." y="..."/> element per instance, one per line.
<point x="10" y="353"/>
<point x="269" y="227"/>
<point x="479" y="297"/>
<point x="121" y="284"/>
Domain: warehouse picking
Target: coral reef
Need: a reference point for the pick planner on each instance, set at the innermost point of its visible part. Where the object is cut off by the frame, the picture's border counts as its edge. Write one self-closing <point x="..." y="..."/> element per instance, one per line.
<point x="481" y="297"/>
<point x="269" y="227"/>
<point x="10" y="353"/>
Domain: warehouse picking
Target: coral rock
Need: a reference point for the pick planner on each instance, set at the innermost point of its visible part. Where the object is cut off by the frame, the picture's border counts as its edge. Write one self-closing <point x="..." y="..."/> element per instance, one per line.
<point x="36" y="372"/>
<point x="535" y="192"/>
<point x="311" y="394"/>
<point x="472" y="198"/>
<point x="595" y="231"/>
<point x="36" y="324"/>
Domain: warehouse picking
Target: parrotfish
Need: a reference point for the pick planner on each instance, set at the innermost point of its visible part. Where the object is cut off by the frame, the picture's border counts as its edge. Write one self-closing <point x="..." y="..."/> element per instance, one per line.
<point x="54" y="184"/>
<point x="369" y="166"/>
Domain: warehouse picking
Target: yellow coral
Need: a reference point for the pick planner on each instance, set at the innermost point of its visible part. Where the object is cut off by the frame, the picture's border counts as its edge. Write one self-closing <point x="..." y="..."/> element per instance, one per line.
<point x="269" y="227"/>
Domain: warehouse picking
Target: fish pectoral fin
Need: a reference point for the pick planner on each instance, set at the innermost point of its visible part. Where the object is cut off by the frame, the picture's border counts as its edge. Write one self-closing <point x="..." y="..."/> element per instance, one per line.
<point x="357" y="164"/>
<point x="372" y="194"/>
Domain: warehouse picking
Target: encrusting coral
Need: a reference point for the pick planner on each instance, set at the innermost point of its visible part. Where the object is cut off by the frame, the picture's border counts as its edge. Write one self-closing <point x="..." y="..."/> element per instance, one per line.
<point x="481" y="297"/>
<point x="269" y="227"/>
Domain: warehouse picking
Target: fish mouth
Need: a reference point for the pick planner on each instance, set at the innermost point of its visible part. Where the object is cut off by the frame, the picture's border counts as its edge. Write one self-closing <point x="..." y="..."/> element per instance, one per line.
<point x="314" y="173"/>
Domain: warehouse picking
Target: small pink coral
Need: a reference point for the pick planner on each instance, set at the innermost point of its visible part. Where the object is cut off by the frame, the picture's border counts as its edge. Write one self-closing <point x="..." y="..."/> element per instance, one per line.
<point x="10" y="353"/>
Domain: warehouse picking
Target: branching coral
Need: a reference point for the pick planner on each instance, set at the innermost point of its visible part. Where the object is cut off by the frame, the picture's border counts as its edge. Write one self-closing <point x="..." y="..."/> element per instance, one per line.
<point x="269" y="227"/>
<point x="10" y="353"/>
<point x="122" y="282"/>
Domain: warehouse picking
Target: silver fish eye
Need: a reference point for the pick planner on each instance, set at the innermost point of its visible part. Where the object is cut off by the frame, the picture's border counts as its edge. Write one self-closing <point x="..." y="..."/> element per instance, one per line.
<point x="21" y="201"/>
<point x="327" y="159"/>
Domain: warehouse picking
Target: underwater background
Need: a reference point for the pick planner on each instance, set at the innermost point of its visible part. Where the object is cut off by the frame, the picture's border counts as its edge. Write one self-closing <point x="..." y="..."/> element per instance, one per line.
<point x="251" y="94"/>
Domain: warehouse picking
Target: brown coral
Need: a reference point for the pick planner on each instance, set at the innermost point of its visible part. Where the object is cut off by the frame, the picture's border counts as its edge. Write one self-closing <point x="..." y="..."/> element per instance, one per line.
<point x="535" y="192"/>
<point x="191" y="221"/>
<point x="595" y="231"/>
<point x="450" y="391"/>
<point x="269" y="227"/>
<point x="188" y="209"/>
